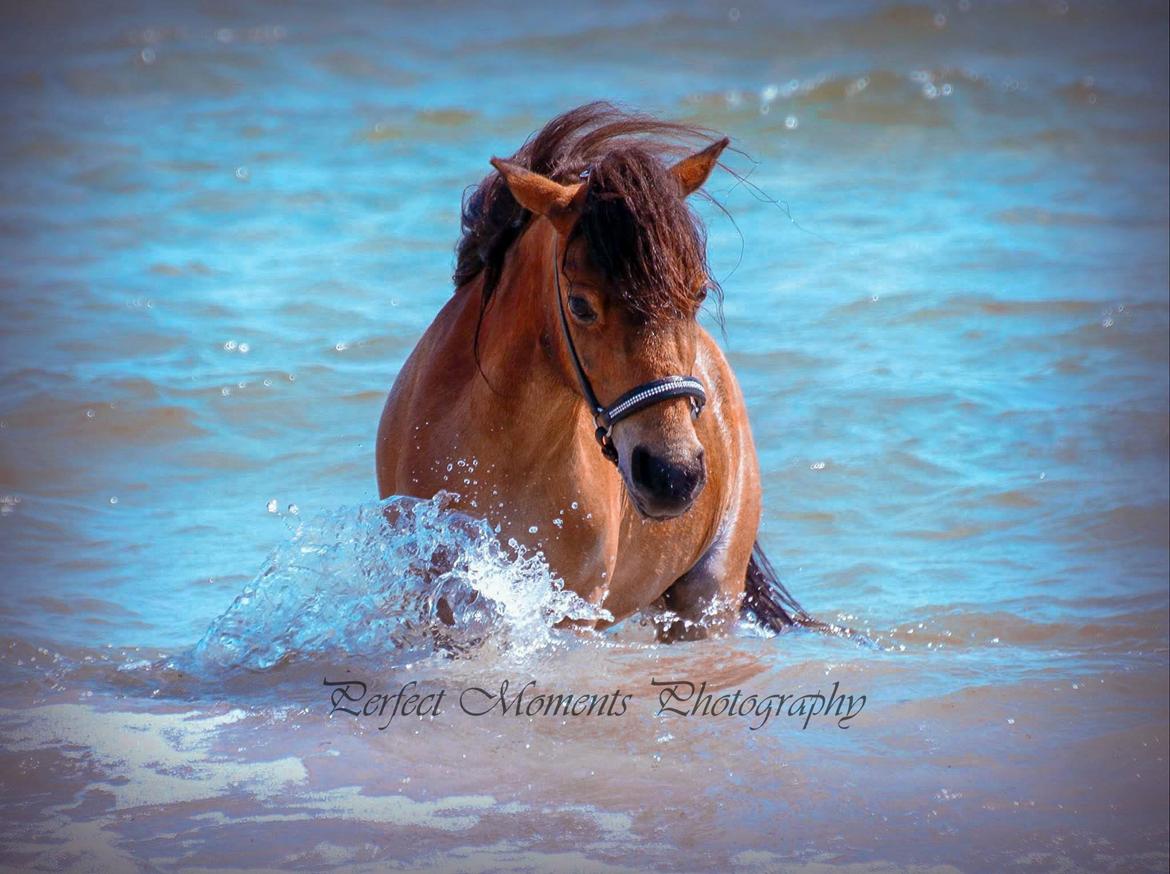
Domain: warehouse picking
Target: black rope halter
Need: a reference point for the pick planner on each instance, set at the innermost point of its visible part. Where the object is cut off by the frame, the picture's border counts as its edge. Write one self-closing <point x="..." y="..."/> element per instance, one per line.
<point x="638" y="398"/>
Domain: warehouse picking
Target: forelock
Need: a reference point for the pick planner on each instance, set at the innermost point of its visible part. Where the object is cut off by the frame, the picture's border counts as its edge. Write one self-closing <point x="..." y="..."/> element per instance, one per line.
<point x="641" y="234"/>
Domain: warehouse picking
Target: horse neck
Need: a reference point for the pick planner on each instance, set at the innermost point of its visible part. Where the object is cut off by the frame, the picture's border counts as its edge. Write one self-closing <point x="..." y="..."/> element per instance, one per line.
<point x="522" y="349"/>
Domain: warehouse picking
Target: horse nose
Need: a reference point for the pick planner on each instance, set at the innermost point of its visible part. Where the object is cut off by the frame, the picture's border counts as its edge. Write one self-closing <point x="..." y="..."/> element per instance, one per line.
<point x="669" y="486"/>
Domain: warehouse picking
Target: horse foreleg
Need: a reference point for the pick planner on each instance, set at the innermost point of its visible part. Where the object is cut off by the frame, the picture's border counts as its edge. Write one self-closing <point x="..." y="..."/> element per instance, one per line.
<point x="705" y="601"/>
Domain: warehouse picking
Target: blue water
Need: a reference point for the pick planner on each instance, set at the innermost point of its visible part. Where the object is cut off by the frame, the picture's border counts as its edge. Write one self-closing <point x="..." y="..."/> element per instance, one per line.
<point x="222" y="229"/>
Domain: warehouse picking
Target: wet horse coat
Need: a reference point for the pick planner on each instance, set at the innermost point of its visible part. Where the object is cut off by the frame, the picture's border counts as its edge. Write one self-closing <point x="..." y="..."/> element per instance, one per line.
<point x="588" y="219"/>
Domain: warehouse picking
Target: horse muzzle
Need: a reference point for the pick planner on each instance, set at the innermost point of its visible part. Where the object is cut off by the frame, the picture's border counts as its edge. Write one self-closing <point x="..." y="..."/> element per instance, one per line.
<point x="662" y="488"/>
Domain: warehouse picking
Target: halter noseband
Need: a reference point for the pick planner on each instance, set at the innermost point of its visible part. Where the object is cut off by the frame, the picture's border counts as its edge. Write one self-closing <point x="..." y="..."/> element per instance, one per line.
<point x="638" y="398"/>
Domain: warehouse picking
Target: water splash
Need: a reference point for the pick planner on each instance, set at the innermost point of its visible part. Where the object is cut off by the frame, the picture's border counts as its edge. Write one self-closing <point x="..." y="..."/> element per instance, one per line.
<point x="395" y="581"/>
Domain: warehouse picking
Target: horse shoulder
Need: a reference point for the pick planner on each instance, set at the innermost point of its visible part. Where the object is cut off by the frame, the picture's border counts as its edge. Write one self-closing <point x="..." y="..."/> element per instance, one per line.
<point x="725" y="399"/>
<point x="430" y="386"/>
<point x="739" y="514"/>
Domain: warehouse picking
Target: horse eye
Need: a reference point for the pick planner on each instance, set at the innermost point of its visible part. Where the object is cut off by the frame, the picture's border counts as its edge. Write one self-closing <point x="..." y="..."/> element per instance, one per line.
<point x="580" y="309"/>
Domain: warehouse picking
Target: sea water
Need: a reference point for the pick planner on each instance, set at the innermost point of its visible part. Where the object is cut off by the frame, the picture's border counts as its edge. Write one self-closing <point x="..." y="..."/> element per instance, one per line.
<point x="224" y="226"/>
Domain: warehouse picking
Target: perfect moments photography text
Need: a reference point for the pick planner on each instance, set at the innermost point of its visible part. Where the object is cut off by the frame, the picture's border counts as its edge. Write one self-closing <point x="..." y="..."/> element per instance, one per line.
<point x="674" y="699"/>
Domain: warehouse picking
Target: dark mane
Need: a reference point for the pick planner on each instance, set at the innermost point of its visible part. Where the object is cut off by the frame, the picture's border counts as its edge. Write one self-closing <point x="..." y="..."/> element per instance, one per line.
<point x="642" y="236"/>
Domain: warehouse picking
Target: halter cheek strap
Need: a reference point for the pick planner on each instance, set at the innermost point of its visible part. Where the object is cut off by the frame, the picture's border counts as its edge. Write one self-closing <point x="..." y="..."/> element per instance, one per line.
<point x="638" y="398"/>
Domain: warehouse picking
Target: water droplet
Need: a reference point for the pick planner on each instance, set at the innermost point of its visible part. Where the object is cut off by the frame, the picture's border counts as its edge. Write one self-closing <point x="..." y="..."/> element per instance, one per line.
<point x="242" y="174"/>
<point x="791" y="122"/>
<point x="533" y="529"/>
<point x="114" y="499"/>
<point x="293" y="509"/>
<point x="560" y="523"/>
<point x="273" y="506"/>
<point x="89" y="414"/>
<point x="574" y="505"/>
<point x="244" y="348"/>
<point x="148" y="55"/>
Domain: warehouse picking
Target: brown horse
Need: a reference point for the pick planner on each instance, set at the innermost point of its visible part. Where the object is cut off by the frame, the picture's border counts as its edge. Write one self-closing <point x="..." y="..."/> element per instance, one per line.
<point x="567" y="394"/>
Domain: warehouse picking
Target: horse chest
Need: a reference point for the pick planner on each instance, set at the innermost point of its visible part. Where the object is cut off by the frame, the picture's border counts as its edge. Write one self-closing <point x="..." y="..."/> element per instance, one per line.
<point x="580" y="523"/>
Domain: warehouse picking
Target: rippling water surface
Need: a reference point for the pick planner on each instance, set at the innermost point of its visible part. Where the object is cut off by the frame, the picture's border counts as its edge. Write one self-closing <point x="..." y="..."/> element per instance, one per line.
<point x="223" y="227"/>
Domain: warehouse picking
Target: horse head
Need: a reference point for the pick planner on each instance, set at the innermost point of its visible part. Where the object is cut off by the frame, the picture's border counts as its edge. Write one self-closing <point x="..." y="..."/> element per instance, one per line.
<point x="627" y="276"/>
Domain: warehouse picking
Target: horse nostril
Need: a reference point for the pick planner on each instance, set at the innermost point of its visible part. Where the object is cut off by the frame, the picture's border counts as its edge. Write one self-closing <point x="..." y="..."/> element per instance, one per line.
<point x="641" y="466"/>
<point x="667" y="482"/>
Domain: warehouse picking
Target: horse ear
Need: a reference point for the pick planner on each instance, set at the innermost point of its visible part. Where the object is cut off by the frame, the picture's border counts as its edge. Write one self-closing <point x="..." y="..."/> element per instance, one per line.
<point x="692" y="172"/>
<point x="560" y="204"/>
